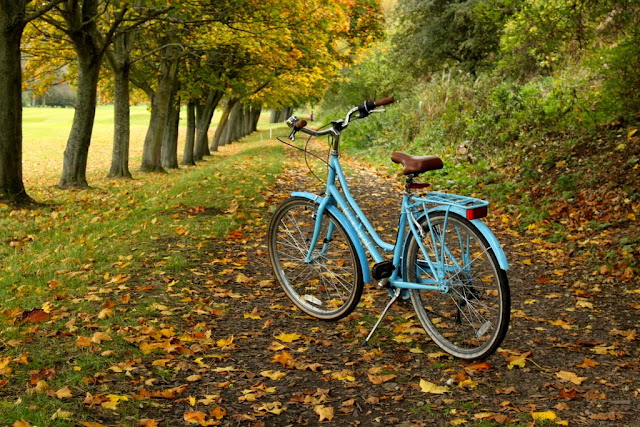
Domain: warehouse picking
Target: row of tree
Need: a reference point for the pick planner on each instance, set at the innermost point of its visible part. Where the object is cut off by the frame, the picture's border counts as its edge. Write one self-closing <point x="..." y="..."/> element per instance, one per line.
<point x="242" y="55"/>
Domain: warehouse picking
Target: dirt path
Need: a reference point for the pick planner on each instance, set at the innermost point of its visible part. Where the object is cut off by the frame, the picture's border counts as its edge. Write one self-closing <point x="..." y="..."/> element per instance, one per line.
<point x="571" y="355"/>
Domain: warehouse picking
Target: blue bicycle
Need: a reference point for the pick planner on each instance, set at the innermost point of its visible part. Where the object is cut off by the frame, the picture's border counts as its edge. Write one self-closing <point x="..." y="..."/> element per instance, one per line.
<point x="445" y="259"/>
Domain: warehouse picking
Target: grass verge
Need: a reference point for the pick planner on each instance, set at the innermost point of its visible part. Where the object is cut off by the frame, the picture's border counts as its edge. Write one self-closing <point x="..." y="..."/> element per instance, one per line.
<point x="88" y="267"/>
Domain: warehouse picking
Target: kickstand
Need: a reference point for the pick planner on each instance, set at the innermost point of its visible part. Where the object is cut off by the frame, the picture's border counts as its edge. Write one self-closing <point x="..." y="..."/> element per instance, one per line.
<point x="398" y="291"/>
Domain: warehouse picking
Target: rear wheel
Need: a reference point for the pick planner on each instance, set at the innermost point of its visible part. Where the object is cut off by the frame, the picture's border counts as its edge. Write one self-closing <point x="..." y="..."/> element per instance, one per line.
<point x="471" y="318"/>
<point x="330" y="286"/>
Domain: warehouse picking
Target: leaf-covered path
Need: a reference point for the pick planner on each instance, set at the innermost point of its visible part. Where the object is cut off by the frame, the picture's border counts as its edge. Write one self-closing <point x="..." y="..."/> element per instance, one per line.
<point x="206" y="337"/>
<point x="243" y="355"/>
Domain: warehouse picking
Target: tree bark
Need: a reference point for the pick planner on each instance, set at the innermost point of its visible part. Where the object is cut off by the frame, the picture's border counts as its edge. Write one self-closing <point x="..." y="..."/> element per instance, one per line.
<point x="256" y="118"/>
<point x="160" y="99"/>
<point x="11" y="28"/>
<point x="230" y="129"/>
<point x="222" y="123"/>
<point x="202" y="139"/>
<point x="187" y="157"/>
<point x="77" y="150"/>
<point x="170" y="140"/>
<point x="121" y="66"/>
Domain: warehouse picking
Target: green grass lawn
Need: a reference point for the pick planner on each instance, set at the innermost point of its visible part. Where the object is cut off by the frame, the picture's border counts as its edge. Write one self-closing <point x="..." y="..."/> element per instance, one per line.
<point x="62" y="260"/>
<point x="45" y="133"/>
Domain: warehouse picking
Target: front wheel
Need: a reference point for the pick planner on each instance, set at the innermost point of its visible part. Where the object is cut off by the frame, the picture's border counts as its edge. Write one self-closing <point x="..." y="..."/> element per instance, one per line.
<point x="328" y="287"/>
<point x="470" y="319"/>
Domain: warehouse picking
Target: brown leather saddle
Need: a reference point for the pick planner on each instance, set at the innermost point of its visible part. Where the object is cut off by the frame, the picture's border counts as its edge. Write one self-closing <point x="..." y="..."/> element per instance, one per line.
<point x="415" y="165"/>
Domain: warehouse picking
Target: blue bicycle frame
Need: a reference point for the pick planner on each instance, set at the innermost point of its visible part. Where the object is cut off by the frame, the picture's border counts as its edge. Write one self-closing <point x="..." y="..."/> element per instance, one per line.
<point x="345" y="209"/>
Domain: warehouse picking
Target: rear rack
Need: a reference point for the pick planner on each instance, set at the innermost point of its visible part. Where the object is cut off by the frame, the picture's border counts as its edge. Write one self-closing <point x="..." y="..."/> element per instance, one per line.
<point x="475" y="208"/>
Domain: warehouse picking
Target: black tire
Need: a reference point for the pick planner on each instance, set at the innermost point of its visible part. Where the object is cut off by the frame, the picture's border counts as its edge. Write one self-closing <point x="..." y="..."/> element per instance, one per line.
<point x="329" y="287"/>
<point x="471" y="319"/>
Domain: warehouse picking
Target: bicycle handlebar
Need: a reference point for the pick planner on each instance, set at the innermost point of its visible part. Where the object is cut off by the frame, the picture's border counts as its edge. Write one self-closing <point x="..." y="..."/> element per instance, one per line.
<point x="299" y="124"/>
<point x="384" y="101"/>
<point x="363" y="110"/>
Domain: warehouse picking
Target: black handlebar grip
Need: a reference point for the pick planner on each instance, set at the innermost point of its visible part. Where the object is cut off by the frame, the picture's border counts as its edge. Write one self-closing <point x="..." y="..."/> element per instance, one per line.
<point x="299" y="124"/>
<point x="384" y="101"/>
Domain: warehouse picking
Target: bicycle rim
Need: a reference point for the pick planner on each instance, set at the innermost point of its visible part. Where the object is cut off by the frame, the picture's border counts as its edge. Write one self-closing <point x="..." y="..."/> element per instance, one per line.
<point x="330" y="286"/>
<point x="471" y="318"/>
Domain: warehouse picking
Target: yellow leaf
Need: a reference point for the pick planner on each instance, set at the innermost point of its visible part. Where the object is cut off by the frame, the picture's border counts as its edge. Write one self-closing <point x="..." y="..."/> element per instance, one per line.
<point x="252" y="316"/>
<point x="104" y="313"/>
<point x="285" y="359"/>
<point x="518" y="360"/>
<point x="113" y="401"/>
<point x="276" y="346"/>
<point x="540" y="416"/>
<point x="429" y="387"/>
<point x="62" y="415"/>
<point x="241" y="278"/>
<point x="194" y="378"/>
<point x="274" y="375"/>
<point x="64" y="392"/>
<point x="343" y="376"/>
<point x="325" y="412"/>
<point x="195" y="417"/>
<point x="225" y="342"/>
<point x="98" y="337"/>
<point x="218" y="413"/>
<point x="288" y="337"/>
<point x="584" y="304"/>
<point x="571" y="377"/>
<point x="458" y="422"/>
<point x="83" y="342"/>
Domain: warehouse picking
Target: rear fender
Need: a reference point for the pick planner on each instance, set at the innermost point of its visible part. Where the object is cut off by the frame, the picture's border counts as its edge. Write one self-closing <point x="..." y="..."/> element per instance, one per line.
<point x="482" y="228"/>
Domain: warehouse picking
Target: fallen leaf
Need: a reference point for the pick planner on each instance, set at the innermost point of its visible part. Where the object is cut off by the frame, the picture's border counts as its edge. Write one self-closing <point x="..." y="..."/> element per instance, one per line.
<point x="274" y="375"/>
<point x="64" y="392"/>
<point x="588" y="363"/>
<point x="517" y="360"/>
<point x="83" y="341"/>
<point x="62" y="415"/>
<point x="288" y="337"/>
<point x="325" y="412"/>
<point x="429" y="387"/>
<point x="547" y="415"/>
<point x="37" y="315"/>
<point x="571" y="377"/>
<point x="379" y="379"/>
<point x="98" y="337"/>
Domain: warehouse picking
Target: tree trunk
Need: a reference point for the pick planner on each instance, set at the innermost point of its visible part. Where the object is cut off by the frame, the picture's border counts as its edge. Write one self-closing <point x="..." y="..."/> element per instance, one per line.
<point x="187" y="157"/>
<point x="230" y="130"/>
<point x="170" y="140"/>
<point x="275" y="116"/>
<point x="202" y="139"/>
<point x="11" y="184"/>
<point x="256" y="118"/>
<point x="74" y="168"/>
<point x="160" y="99"/>
<point x="222" y="123"/>
<point x="121" y="111"/>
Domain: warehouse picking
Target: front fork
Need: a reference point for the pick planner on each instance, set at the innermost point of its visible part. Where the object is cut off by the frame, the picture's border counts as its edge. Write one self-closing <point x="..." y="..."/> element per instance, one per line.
<point x="318" y="215"/>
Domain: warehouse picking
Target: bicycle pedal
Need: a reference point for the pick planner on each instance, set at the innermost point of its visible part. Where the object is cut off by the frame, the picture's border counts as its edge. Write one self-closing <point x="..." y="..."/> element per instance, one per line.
<point x="382" y="270"/>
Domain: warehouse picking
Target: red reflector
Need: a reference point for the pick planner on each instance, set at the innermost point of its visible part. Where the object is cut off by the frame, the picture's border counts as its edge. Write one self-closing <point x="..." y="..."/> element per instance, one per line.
<point x="477" y="213"/>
